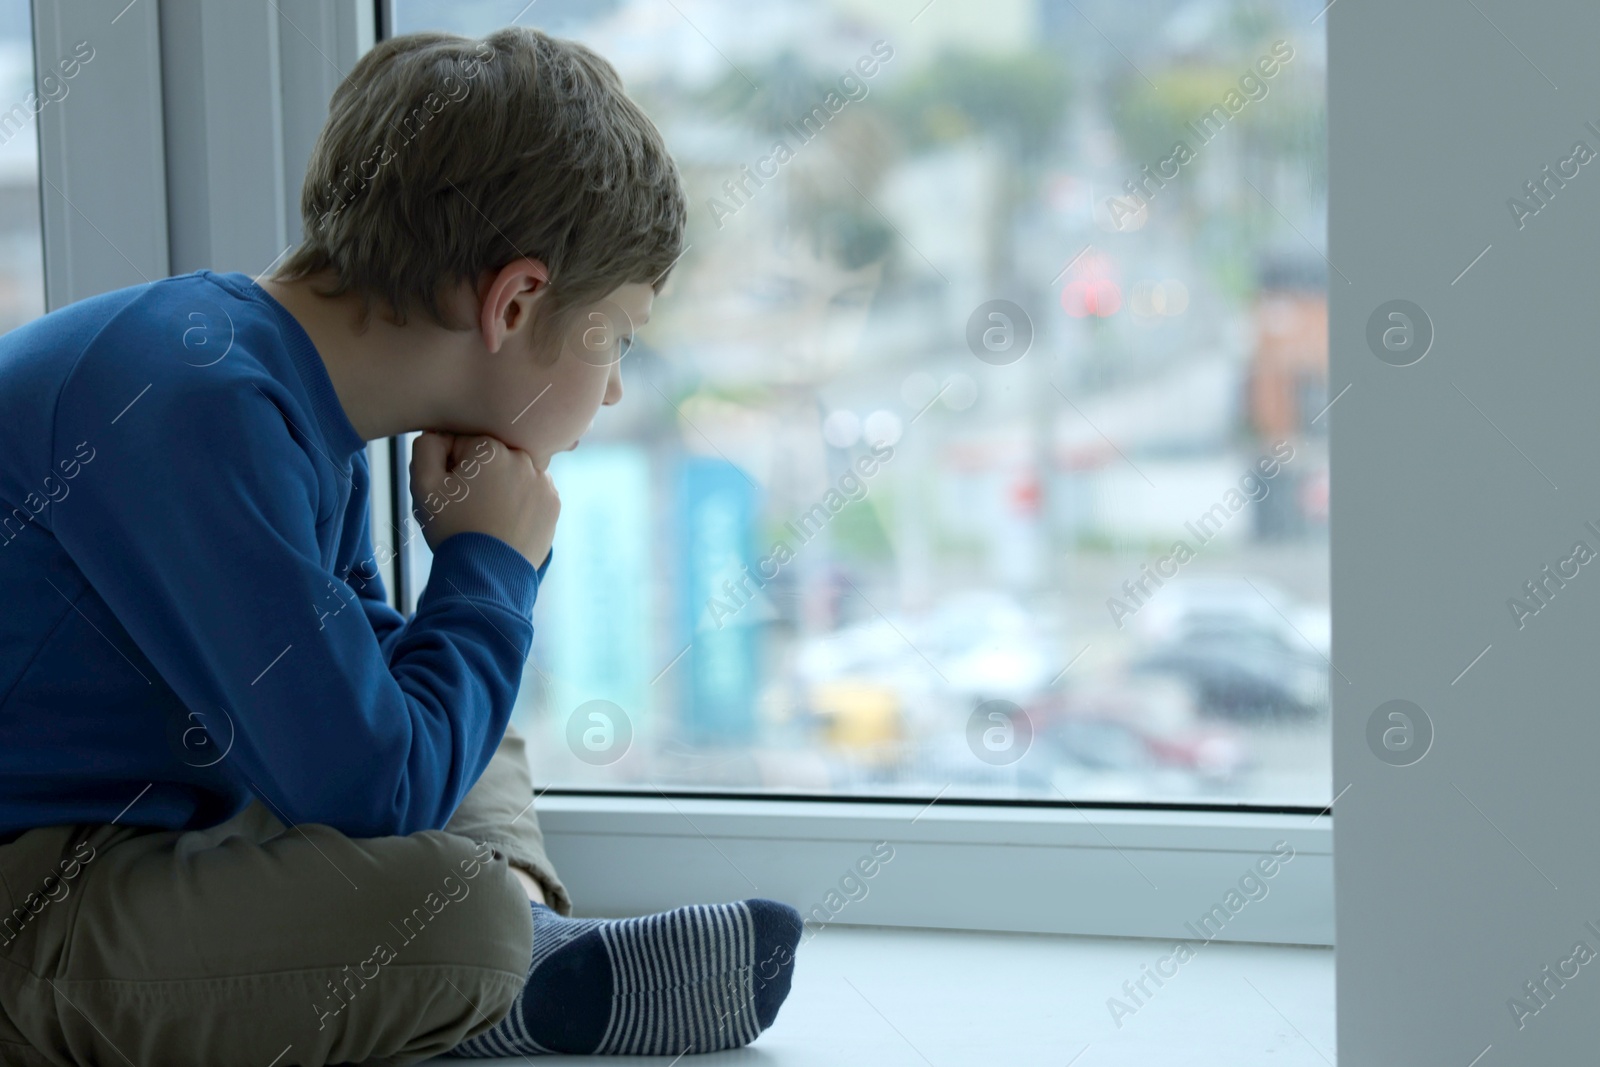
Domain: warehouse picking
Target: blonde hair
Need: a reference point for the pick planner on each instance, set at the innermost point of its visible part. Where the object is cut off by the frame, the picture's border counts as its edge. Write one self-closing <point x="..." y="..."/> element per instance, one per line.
<point x="445" y="156"/>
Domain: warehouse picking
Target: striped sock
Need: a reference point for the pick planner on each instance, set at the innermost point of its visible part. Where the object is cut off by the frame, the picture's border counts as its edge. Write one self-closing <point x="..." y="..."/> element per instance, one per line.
<point x="695" y="979"/>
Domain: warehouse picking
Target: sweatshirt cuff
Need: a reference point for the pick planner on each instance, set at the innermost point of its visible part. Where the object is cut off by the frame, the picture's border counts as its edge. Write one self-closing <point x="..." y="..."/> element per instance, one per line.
<point x="481" y="566"/>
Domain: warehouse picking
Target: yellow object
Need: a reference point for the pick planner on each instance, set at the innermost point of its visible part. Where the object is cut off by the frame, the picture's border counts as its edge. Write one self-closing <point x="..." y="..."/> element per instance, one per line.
<point x="860" y="714"/>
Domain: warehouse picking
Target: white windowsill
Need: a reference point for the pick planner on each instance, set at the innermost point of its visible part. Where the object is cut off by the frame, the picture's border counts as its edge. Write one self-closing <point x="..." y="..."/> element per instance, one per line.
<point x="919" y="997"/>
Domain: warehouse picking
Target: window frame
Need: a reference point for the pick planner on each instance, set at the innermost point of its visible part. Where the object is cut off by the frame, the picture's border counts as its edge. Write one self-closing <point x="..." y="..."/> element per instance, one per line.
<point x="102" y="227"/>
<point x="195" y="200"/>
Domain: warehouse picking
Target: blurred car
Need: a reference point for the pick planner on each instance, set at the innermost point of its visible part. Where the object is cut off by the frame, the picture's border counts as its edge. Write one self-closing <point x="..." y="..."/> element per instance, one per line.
<point x="929" y="668"/>
<point x="1209" y="602"/>
<point x="1141" y="722"/>
<point x="1248" y="650"/>
<point x="1243" y="673"/>
<point x="988" y="647"/>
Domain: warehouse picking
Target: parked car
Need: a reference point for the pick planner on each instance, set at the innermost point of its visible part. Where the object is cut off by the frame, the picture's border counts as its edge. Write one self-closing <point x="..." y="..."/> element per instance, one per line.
<point x="1243" y="673"/>
<point x="1141" y="722"/>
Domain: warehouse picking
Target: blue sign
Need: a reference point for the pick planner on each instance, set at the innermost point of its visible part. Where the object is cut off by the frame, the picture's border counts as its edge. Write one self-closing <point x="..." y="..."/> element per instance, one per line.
<point x="593" y="618"/>
<point x="719" y="603"/>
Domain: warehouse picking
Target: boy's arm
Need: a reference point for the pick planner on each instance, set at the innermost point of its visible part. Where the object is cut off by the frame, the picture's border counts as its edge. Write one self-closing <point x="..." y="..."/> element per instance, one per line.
<point x="386" y="622"/>
<point x="203" y="541"/>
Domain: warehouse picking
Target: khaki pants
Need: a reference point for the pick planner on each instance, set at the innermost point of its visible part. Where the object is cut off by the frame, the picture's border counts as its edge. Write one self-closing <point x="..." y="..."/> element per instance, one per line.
<point x="250" y="944"/>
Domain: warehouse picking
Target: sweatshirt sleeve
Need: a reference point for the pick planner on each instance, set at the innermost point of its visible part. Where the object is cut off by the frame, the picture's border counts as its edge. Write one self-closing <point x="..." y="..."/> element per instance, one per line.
<point x="199" y="530"/>
<point x="386" y="622"/>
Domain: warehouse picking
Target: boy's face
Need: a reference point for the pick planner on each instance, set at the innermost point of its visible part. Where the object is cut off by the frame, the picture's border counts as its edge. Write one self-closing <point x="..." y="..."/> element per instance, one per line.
<point x="542" y="401"/>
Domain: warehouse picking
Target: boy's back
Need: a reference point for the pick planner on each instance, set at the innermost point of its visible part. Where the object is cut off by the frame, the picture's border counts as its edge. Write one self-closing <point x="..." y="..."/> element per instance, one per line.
<point x="188" y="568"/>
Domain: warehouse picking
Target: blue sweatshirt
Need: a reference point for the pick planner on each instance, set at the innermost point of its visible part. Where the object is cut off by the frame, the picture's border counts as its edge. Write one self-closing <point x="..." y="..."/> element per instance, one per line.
<point x="190" y="609"/>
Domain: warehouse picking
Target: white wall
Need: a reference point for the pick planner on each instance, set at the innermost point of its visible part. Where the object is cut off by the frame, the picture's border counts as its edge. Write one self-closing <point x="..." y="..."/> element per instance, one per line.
<point x="1460" y="876"/>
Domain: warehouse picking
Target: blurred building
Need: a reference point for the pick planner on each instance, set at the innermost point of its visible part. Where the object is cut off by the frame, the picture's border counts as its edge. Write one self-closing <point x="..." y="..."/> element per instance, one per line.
<point x="1288" y="388"/>
<point x="1288" y="383"/>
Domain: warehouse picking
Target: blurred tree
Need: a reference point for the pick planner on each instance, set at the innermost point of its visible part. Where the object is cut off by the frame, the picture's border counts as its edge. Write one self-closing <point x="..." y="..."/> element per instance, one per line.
<point x="1019" y="96"/>
<point x="1149" y="121"/>
<point x="1284" y="127"/>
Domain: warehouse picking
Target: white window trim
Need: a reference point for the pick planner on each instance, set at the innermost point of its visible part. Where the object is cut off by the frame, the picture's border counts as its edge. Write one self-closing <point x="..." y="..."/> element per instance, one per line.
<point x="191" y="187"/>
<point x="102" y="187"/>
<point x="1120" y="872"/>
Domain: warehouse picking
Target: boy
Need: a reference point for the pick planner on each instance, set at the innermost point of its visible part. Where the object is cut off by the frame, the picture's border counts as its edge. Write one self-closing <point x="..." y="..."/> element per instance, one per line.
<point x="249" y="814"/>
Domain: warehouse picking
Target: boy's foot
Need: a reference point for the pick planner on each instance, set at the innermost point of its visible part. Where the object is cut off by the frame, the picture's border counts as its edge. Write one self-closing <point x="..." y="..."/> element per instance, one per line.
<point x="695" y="979"/>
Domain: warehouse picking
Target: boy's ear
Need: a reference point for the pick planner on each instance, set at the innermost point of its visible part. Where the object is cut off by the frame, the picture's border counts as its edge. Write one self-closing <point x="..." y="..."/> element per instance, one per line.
<point x="508" y="298"/>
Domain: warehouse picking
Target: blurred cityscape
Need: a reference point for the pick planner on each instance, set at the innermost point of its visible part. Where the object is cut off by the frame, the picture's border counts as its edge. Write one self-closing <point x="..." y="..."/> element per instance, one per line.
<point x="859" y="529"/>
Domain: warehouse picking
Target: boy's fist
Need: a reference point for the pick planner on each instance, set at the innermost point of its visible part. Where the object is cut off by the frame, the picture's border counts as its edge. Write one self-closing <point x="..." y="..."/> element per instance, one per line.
<point x="461" y="483"/>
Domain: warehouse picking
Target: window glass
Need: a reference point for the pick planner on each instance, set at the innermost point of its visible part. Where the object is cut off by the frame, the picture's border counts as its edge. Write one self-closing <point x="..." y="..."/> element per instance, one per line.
<point x="21" y="247"/>
<point x="978" y="444"/>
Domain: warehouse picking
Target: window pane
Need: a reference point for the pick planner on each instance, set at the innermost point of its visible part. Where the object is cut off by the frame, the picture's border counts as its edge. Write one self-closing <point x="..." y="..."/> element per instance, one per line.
<point x="978" y="445"/>
<point x="21" y="248"/>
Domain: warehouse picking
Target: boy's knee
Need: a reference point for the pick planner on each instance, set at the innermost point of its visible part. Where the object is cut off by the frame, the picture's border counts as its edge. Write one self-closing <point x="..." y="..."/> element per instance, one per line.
<point x="454" y="935"/>
<point x="461" y="901"/>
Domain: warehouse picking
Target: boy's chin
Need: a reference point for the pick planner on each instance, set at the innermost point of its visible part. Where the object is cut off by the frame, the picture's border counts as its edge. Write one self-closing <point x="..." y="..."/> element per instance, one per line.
<point x="544" y="454"/>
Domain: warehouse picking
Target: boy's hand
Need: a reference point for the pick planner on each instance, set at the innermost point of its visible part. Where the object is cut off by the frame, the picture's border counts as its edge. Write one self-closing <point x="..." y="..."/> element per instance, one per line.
<point x="462" y="483"/>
